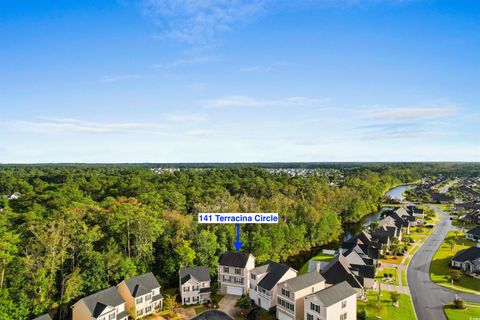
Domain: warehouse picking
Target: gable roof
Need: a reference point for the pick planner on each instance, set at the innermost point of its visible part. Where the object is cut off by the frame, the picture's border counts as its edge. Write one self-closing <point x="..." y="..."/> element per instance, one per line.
<point x="338" y="270"/>
<point x="235" y="259"/>
<point x="102" y="300"/>
<point x="336" y="293"/>
<point x="198" y="273"/>
<point x="469" y="254"/>
<point x="275" y="271"/>
<point x="475" y="231"/>
<point x="141" y="285"/>
<point x="305" y="280"/>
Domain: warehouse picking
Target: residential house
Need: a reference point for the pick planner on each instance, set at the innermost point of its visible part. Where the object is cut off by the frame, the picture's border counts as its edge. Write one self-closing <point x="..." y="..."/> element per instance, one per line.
<point x="233" y="272"/>
<point x="264" y="280"/>
<point x="359" y="276"/>
<point x="385" y="234"/>
<point x="336" y="302"/>
<point x="291" y="295"/>
<point x="43" y="317"/>
<point x="473" y="234"/>
<point x="194" y="284"/>
<point x="473" y="217"/>
<point x="103" y="305"/>
<point x="365" y="245"/>
<point x="468" y="260"/>
<point x="141" y="294"/>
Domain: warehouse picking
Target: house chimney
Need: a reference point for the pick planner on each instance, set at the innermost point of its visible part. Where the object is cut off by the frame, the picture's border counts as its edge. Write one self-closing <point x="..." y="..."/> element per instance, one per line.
<point x="317" y="265"/>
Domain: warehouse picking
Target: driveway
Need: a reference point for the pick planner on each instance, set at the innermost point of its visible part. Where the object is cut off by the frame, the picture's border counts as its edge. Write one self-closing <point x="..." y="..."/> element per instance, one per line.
<point x="428" y="297"/>
<point x="227" y="305"/>
<point x="212" y="315"/>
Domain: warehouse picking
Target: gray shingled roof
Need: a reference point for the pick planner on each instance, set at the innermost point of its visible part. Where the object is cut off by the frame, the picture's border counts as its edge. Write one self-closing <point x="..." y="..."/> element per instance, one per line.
<point x="469" y="254"/>
<point x="99" y="301"/>
<point x="199" y="273"/>
<point x="43" y="317"/>
<point x="235" y="259"/>
<point x="475" y="231"/>
<point x="335" y="293"/>
<point x="141" y="285"/>
<point x="275" y="271"/>
<point x="305" y="280"/>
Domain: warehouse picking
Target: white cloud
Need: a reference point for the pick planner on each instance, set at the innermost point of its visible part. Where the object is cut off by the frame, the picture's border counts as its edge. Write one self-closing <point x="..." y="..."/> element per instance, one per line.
<point x="184" y="62"/>
<point x="396" y="114"/>
<point x="121" y="77"/>
<point x="67" y="125"/>
<point x="247" y="101"/>
<point x="199" y="133"/>
<point x="198" y="21"/>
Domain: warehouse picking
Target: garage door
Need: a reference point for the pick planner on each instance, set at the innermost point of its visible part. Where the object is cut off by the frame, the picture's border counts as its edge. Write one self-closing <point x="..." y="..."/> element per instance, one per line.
<point x="237" y="291"/>
<point x="283" y="316"/>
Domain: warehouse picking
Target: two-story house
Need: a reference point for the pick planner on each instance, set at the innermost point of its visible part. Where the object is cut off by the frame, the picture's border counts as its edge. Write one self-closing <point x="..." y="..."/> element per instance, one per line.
<point x="264" y="280"/>
<point x="291" y="294"/>
<point x="233" y="272"/>
<point x="332" y="303"/>
<point x="194" y="284"/>
<point x="141" y="294"/>
<point x="473" y="234"/>
<point x="103" y="305"/>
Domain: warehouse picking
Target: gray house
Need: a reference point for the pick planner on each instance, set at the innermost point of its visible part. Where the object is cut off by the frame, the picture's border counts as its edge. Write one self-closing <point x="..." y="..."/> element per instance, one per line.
<point x="194" y="284"/>
<point x="468" y="260"/>
<point x="473" y="234"/>
<point x="103" y="305"/>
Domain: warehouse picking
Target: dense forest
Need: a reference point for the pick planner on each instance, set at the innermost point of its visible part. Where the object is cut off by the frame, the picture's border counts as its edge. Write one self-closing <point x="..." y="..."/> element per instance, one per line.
<point x="76" y="229"/>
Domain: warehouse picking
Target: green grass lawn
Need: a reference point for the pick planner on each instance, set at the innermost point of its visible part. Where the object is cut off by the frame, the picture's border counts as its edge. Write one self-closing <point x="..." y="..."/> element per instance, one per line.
<point x="404" y="278"/>
<point x="440" y="266"/>
<point x="379" y="275"/>
<point x="319" y="257"/>
<point x="200" y="309"/>
<point x="472" y="312"/>
<point x="460" y="224"/>
<point x="407" y="261"/>
<point x="403" y="312"/>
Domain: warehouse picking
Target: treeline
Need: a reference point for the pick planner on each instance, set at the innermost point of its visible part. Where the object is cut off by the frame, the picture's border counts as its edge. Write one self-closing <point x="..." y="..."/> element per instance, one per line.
<point x="75" y="230"/>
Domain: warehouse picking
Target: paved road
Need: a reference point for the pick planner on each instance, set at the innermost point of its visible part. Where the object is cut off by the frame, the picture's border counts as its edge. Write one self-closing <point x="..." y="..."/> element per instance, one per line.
<point x="429" y="298"/>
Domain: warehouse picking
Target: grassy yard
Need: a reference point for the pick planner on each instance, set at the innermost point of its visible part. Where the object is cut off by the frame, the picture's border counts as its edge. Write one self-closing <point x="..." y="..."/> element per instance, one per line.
<point x="404" y="278"/>
<point x="319" y="257"/>
<point x="472" y="312"/>
<point x="392" y="259"/>
<point x="380" y="275"/>
<point x="403" y="312"/>
<point x="440" y="267"/>
<point x="200" y="309"/>
<point x="461" y="224"/>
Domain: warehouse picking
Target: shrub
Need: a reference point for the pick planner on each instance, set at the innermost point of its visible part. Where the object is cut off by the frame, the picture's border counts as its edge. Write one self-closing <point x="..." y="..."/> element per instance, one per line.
<point x="455" y="275"/>
<point x="459" y="304"/>
<point x="244" y="302"/>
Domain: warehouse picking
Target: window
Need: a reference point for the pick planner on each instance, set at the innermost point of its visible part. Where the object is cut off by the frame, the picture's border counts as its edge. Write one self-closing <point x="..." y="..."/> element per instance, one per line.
<point x="285" y="292"/>
<point x="239" y="280"/>
<point x="309" y="316"/>
<point x="314" y="307"/>
<point x="195" y="288"/>
<point x="226" y="269"/>
<point x="148" y="297"/>
<point x="238" y="271"/>
<point x="343" y="316"/>
<point x="186" y="289"/>
<point x="148" y="309"/>
<point x="253" y="276"/>
<point x="139" y="300"/>
<point x="139" y="312"/>
<point x="186" y="300"/>
<point x="344" y="303"/>
<point x="111" y="316"/>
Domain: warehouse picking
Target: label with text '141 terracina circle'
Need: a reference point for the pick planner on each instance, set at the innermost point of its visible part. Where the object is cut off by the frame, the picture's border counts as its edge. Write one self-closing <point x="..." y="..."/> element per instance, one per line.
<point x="238" y="218"/>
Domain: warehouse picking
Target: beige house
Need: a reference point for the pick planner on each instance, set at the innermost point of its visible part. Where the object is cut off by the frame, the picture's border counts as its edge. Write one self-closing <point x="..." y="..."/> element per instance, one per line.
<point x="103" y="305"/>
<point x="194" y="284"/>
<point x="264" y="280"/>
<point x="333" y="303"/>
<point x="233" y="272"/>
<point x="141" y="294"/>
<point x="291" y="295"/>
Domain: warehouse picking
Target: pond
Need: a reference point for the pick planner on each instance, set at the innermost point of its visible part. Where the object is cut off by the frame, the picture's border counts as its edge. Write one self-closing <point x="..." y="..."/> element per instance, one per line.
<point x="397" y="192"/>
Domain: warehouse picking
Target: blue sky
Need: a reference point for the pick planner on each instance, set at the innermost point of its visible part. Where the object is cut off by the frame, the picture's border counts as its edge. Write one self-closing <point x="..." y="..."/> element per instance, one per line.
<point x="227" y="81"/>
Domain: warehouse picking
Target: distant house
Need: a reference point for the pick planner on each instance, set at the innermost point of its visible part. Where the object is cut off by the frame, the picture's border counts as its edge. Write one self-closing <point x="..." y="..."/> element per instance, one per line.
<point x="264" y="280"/>
<point x="359" y="276"/>
<point x="473" y="217"/>
<point x="233" y="272"/>
<point x="141" y="294"/>
<point x="473" y="234"/>
<point x="291" y="295"/>
<point x="44" y="317"/>
<point x="103" y="305"/>
<point x="385" y="234"/>
<point x="332" y="303"/>
<point x="365" y="245"/>
<point x="468" y="260"/>
<point x="194" y="284"/>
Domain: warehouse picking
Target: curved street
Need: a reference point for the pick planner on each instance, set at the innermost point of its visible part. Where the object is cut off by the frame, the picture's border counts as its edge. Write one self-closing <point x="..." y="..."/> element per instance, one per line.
<point x="428" y="297"/>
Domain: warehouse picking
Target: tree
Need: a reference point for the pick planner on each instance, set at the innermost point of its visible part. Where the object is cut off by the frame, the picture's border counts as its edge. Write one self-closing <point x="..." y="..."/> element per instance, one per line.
<point x="244" y="302"/>
<point x="455" y="275"/>
<point x="452" y="243"/>
<point x="395" y="297"/>
<point x="170" y="302"/>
